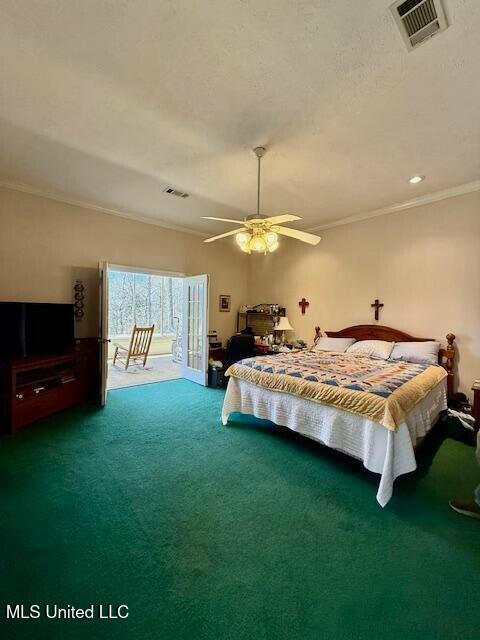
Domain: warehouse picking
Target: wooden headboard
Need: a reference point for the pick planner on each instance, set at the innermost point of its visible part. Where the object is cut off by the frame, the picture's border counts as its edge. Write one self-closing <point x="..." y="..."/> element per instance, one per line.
<point x="446" y="355"/>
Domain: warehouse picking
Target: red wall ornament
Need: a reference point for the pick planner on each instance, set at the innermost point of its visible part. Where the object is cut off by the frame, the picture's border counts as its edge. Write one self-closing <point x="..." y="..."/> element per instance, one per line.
<point x="304" y="304"/>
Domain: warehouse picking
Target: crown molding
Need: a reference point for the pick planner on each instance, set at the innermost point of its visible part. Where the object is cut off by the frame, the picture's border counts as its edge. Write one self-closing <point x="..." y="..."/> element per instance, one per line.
<point x="460" y="190"/>
<point x="437" y="196"/>
<point x="24" y="188"/>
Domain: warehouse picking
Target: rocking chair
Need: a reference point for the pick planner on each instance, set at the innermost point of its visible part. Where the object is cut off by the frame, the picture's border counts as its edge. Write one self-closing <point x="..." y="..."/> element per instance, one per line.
<point x="138" y="349"/>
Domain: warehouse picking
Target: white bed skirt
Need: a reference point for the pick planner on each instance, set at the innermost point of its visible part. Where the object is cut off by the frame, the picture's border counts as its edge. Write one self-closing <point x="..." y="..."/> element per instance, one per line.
<point x="388" y="453"/>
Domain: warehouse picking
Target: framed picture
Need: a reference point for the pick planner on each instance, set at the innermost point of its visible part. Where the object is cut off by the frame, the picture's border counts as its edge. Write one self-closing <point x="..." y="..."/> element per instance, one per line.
<point x="224" y="303"/>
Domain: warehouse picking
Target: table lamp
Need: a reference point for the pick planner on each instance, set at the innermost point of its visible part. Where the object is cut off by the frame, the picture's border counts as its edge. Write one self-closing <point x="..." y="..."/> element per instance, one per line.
<point x="283" y="325"/>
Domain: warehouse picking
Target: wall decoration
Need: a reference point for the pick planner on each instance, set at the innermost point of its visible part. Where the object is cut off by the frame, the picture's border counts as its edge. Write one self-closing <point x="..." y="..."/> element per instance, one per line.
<point x="304" y="304"/>
<point x="377" y="306"/>
<point x="224" y="303"/>
<point x="79" y="298"/>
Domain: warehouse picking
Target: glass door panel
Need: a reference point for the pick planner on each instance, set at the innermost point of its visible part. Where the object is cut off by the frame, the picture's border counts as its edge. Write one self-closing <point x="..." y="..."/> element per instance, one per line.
<point x="195" y="346"/>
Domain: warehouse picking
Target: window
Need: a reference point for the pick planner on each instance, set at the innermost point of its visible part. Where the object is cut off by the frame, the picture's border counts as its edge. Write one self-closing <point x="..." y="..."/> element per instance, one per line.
<point x="143" y="299"/>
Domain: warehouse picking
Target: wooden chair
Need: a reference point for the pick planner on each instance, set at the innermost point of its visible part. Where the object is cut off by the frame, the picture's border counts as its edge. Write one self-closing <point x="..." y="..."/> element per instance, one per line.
<point x="139" y="346"/>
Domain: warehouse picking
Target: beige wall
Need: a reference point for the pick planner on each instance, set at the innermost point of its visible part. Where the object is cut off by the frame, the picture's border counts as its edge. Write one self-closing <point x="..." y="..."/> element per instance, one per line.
<point x="423" y="264"/>
<point x="45" y="245"/>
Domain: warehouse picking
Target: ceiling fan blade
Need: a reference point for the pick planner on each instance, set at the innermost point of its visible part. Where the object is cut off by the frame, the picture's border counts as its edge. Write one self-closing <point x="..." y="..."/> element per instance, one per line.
<point x="286" y="217"/>
<point x="224" y="235"/>
<point x="223" y="219"/>
<point x="299" y="235"/>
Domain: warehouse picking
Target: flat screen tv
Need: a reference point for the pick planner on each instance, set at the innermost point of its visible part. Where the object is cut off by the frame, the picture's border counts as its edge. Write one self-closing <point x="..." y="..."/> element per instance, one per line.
<point x="34" y="328"/>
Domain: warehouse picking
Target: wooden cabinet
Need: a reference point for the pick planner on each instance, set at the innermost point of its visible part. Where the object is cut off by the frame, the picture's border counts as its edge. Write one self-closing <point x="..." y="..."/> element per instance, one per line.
<point x="34" y="387"/>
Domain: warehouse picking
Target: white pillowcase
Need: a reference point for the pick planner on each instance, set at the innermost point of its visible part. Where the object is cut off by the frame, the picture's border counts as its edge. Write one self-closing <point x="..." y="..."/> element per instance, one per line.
<point x="333" y="344"/>
<point x="417" y="352"/>
<point x="374" y="348"/>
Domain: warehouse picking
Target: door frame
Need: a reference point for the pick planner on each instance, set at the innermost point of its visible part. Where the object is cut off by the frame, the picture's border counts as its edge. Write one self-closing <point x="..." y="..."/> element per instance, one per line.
<point x="147" y="271"/>
<point x="103" y="338"/>
<point x="200" y="376"/>
<point x="104" y="267"/>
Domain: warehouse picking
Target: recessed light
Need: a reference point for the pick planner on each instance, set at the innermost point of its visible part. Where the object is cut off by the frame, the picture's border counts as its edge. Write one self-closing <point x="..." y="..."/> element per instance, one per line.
<point x="416" y="179"/>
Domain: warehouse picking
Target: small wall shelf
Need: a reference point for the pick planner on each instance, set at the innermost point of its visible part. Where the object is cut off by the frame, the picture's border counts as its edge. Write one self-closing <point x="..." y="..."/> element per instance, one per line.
<point x="261" y="322"/>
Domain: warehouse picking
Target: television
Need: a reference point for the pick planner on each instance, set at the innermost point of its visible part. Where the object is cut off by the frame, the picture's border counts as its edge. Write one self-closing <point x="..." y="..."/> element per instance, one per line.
<point x="35" y="328"/>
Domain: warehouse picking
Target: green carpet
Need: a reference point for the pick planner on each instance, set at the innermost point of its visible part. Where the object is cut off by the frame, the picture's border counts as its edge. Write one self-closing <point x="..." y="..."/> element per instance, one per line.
<point x="242" y="532"/>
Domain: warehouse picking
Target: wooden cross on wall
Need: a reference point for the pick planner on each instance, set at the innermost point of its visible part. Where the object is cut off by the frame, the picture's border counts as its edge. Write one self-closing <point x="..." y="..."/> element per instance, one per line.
<point x="378" y="305"/>
<point x="304" y="304"/>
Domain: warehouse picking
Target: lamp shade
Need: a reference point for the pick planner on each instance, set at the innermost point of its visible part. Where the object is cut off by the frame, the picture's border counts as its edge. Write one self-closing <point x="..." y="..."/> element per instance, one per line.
<point x="283" y="325"/>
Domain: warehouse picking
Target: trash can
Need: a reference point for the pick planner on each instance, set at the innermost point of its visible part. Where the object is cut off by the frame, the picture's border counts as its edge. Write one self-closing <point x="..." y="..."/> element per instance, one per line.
<point x="216" y="377"/>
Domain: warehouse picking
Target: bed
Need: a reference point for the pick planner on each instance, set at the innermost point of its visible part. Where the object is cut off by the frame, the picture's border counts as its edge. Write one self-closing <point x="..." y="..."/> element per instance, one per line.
<point x="377" y="411"/>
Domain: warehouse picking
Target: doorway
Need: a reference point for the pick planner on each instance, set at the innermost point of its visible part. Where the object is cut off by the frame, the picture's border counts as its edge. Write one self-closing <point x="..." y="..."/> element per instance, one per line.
<point x="144" y="300"/>
<point x="172" y="306"/>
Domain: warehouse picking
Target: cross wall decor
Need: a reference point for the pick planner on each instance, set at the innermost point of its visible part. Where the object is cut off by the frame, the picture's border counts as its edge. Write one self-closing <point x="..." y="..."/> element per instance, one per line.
<point x="304" y="304"/>
<point x="377" y="305"/>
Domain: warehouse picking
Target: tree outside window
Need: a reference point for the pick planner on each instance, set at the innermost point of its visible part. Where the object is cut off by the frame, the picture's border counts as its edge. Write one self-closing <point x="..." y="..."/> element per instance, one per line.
<point x="143" y="299"/>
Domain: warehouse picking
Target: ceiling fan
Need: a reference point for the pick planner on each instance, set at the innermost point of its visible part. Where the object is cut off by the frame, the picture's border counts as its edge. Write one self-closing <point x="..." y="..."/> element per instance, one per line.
<point x="259" y="233"/>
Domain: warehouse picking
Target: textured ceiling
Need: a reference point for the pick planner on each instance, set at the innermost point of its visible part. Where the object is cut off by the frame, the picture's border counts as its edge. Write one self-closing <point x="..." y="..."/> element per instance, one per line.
<point x="110" y="101"/>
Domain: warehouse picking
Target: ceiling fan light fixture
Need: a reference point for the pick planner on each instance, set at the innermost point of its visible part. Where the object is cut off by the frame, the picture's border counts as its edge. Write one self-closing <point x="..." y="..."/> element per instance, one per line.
<point x="271" y="238"/>
<point x="258" y="244"/>
<point x="260" y="233"/>
<point x="242" y="239"/>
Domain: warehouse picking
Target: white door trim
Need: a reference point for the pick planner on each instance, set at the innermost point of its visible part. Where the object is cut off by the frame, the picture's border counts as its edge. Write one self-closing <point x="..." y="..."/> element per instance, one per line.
<point x="198" y="373"/>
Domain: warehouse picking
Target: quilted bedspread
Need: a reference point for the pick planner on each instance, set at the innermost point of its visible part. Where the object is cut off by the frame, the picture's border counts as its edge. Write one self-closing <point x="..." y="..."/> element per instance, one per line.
<point x="381" y="390"/>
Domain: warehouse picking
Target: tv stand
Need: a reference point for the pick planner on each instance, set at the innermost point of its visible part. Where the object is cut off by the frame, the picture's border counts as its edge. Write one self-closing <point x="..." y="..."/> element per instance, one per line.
<point x="37" y="386"/>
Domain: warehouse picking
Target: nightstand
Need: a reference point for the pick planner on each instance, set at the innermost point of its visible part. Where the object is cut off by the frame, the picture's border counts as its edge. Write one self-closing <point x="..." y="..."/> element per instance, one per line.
<point x="476" y="403"/>
<point x="217" y="353"/>
<point x="263" y="350"/>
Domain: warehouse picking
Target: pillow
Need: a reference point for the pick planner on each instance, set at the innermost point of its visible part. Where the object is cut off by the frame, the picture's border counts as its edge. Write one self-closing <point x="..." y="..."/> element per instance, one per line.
<point x="373" y="348"/>
<point x="417" y="352"/>
<point x="333" y="344"/>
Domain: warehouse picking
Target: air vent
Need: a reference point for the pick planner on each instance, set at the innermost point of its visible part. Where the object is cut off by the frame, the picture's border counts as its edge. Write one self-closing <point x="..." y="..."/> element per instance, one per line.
<point x="418" y="20"/>
<point x="175" y="192"/>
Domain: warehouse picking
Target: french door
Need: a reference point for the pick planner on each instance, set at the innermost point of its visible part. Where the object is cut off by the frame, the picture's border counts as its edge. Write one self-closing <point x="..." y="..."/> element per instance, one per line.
<point x="195" y="327"/>
<point x="103" y="331"/>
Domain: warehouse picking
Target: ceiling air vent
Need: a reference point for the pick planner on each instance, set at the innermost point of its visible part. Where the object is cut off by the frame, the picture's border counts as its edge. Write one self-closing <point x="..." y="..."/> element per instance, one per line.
<point x="175" y="192"/>
<point x="418" y="20"/>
